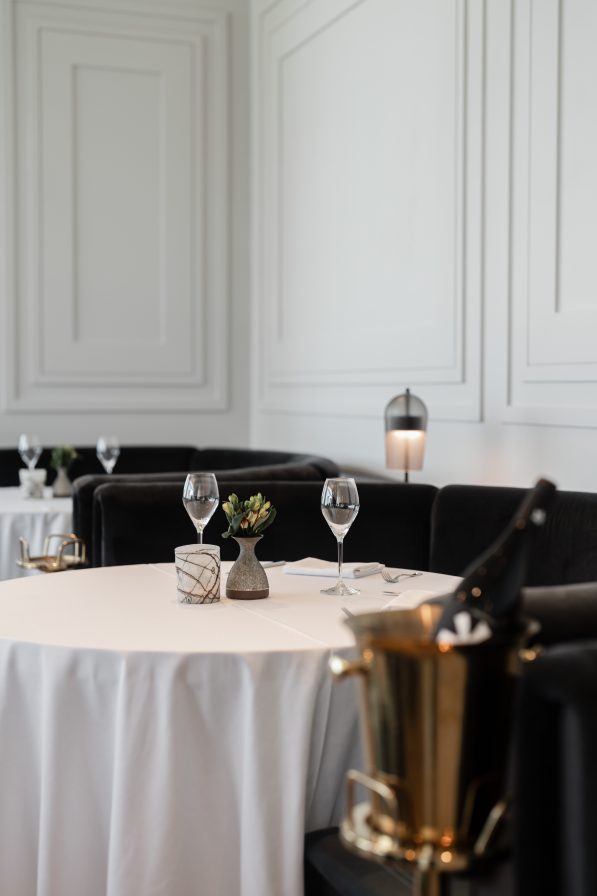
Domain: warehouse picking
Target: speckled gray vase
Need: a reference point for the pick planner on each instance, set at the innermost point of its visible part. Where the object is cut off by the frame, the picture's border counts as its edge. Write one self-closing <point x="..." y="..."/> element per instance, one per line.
<point x="62" y="487"/>
<point x="247" y="579"/>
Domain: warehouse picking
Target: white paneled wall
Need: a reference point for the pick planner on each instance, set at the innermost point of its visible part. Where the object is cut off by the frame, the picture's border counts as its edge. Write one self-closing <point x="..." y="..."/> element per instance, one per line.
<point x="425" y="196"/>
<point x="553" y="365"/>
<point x="125" y="219"/>
<point x="423" y="205"/>
<point x="370" y="261"/>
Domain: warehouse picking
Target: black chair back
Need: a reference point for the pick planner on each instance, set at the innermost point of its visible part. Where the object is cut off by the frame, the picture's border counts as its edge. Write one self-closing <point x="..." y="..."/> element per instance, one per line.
<point x="142" y="523"/>
<point x="467" y="518"/>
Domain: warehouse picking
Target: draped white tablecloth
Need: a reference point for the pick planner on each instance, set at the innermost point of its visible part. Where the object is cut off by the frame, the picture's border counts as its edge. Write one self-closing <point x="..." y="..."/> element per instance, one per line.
<point x="152" y="748"/>
<point x="33" y="519"/>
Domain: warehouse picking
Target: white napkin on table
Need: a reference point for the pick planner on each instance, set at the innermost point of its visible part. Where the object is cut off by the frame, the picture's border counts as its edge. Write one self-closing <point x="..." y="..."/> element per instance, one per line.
<point x="310" y="566"/>
<point x="408" y="600"/>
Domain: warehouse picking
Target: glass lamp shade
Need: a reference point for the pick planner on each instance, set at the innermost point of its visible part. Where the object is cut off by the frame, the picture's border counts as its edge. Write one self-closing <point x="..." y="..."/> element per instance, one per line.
<point x="405" y="449"/>
<point x="406" y="426"/>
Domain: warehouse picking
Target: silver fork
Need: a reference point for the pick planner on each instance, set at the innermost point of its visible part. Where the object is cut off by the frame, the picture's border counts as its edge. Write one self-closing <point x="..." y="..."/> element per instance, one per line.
<point x="401" y="575"/>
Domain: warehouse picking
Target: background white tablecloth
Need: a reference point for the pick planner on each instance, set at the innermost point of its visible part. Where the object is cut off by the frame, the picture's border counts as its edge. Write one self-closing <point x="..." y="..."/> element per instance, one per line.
<point x="152" y="748"/>
<point x="33" y="519"/>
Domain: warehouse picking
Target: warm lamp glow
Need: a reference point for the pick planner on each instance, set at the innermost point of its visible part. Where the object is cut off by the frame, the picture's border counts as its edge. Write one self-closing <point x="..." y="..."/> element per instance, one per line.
<point x="406" y="425"/>
<point x="405" y="449"/>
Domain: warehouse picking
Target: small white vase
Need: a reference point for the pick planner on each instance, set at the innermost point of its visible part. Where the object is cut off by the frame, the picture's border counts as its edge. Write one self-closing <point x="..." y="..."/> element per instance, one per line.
<point x="62" y="487"/>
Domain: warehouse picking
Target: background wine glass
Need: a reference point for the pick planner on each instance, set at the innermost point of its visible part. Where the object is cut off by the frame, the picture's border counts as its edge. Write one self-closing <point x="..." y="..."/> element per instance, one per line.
<point x="340" y="505"/>
<point x="108" y="451"/>
<point x="30" y="450"/>
<point x="200" y="497"/>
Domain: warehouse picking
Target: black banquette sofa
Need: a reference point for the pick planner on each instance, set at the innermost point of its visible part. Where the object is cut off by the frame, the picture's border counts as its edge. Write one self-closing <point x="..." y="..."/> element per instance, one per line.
<point x="236" y="464"/>
<point x="403" y="525"/>
<point x="141" y="460"/>
<point x="133" y="459"/>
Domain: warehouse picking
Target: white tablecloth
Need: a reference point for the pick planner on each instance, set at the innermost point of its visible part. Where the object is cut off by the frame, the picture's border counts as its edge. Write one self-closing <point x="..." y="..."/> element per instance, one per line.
<point x="152" y="748"/>
<point x="32" y="519"/>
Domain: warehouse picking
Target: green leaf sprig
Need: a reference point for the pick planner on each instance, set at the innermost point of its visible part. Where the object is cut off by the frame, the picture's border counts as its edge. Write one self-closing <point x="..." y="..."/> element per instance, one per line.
<point x="249" y="518"/>
<point x="63" y="456"/>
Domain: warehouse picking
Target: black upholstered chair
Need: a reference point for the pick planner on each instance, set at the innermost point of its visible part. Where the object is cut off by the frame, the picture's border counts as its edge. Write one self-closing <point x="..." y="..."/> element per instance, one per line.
<point x="140" y="523"/>
<point x="264" y="463"/>
<point x="556" y="835"/>
<point x="467" y="518"/>
<point x="247" y="464"/>
<point x="138" y="459"/>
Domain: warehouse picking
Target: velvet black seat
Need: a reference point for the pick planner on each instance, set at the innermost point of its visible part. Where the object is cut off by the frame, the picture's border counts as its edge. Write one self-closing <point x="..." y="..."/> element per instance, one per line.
<point x="268" y="464"/>
<point x="136" y="459"/>
<point x="467" y="518"/>
<point x="247" y="464"/>
<point x="139" y="523"/>
<point x="557" y="778"/>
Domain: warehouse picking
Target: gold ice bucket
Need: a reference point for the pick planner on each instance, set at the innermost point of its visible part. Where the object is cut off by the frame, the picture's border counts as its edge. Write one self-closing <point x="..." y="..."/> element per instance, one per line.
<point x="436" y="720"/>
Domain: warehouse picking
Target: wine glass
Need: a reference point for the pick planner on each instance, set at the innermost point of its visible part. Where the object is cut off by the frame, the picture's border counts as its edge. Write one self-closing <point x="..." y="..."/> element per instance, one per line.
<point x="108" y="451"/>
<point x="30" y="450"/>
<point x="200" y="497"/>
<point x="340" y="505"/>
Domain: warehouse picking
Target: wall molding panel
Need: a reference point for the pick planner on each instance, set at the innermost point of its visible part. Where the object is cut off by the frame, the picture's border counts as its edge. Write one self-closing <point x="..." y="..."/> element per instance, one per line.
<point x="365" y="285"/>
<point x="119" y="299"/>
<point x="552" y="376"/>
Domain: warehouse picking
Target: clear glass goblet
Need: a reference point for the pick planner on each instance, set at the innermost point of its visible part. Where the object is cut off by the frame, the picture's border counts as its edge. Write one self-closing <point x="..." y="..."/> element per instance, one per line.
<point x="30" y="450"/>
<point x="340" y="505"/>
<point x="200" y="497"/>
<point x="108" y="451"/>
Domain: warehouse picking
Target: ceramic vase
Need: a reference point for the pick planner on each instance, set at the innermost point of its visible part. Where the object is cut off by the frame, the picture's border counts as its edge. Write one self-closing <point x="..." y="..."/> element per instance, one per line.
<point x="62" y="486"/>
<point x="247" y="579"/>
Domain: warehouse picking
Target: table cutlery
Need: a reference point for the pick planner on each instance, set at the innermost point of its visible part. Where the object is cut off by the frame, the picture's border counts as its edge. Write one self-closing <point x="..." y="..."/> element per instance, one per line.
<point x="388" y="577"/>
<point x="393" y="593"/>
<point x="347" y="612"/>
<point x="269" y="564"/>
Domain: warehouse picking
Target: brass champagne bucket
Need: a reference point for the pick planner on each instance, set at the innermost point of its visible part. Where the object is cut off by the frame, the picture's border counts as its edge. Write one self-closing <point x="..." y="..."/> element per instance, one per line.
<point x="435" y="722"/>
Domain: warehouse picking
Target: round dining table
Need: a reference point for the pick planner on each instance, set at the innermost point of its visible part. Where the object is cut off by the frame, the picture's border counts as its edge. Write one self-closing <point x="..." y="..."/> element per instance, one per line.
<point x="155" y="748"/>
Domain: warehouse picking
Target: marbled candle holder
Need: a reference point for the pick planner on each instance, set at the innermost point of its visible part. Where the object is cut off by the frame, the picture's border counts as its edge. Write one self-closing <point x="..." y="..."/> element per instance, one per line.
<point x="198" y="573"/>
<point x="32" y="483"/>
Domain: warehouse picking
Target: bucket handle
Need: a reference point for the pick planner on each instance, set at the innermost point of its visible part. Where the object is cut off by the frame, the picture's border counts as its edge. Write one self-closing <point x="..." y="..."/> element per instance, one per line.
<point x="386" y="845"/>
<point x="489" y="828"/>
<point x="343" y="668"/>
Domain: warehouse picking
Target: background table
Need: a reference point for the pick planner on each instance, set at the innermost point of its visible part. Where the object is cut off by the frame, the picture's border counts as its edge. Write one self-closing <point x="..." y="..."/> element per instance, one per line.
<point x="33" y="519"/>
<point x="151" y="747"/>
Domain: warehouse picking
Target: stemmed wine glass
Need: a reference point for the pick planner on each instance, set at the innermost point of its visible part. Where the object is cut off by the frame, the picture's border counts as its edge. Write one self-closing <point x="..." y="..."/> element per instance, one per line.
<point x="30" y="450"/>
<point x="340" y="505"/>
<point x="200" y="497"/>
<point x="108" y="451"/>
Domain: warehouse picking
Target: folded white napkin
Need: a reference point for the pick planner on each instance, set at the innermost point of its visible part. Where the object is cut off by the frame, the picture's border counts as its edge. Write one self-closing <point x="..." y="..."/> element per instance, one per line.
<point x="310" y="566"/>
<point x="408" y="600"/>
